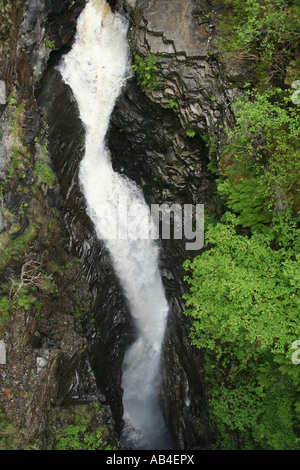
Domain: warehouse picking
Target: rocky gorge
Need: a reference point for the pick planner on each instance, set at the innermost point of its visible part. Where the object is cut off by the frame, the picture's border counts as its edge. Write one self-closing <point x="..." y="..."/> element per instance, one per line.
<point x="65" y="347"/>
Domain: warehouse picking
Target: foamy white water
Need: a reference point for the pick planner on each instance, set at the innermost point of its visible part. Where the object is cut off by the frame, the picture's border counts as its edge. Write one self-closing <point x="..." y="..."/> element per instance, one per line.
<point x="96" y="69"/>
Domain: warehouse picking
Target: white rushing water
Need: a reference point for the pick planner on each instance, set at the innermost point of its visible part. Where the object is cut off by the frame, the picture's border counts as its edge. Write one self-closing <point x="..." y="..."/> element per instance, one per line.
<point x="96" y="69"/>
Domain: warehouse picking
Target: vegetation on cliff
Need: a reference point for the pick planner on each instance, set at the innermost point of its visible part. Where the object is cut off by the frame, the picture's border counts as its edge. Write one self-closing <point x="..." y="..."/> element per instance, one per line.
<point x="244" y="287"/>
<point x="44" y="296"/>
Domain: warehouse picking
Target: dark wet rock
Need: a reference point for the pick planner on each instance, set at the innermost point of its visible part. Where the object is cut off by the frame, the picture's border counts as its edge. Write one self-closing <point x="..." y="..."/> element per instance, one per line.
<point x="148" y="143"/>
<point x="183" y="388"/>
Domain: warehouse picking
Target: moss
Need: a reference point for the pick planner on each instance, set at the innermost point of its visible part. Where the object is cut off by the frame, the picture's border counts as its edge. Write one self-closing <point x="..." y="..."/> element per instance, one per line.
<point x="8" y="434"/>
<point x="19" y="245"/>
<point x="4" y="241"/>
<point x="16" y="186"/>
<point x="15" y="228"/>
<point x="12" y="248"/>
<point x="17" y="113"/>
<point x="17" y="164"/>
<point x="4" y="312"/>
<point x="42" y="169"/>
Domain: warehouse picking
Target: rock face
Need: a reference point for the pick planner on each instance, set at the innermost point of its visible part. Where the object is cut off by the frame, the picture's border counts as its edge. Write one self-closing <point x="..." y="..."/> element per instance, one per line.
<point x="150" y="146"/>
<point x="163" y="138"/>
<point x="47" y="380"/>
<point x="182" y="35"/>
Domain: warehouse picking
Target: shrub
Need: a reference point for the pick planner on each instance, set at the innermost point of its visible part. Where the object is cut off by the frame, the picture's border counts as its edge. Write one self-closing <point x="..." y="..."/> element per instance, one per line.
<point x="49" y="44"/>
<point x="266" y="30"/>
<point x="262" y="155"/>
<point x="244" y="301"/>
<point x="145" y="68"/>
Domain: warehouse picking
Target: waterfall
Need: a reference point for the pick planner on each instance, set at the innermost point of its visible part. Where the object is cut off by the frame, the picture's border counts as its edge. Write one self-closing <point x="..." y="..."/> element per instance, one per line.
<point x="96" y="68"/>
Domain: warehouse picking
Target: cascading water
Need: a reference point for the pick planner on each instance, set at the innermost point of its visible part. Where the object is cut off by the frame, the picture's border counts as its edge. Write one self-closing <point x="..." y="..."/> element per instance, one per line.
<point x="96" y="69"/>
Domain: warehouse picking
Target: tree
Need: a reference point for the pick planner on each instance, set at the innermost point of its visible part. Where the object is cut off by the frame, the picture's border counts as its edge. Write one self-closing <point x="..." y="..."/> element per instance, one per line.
<point x="244" y="299"/>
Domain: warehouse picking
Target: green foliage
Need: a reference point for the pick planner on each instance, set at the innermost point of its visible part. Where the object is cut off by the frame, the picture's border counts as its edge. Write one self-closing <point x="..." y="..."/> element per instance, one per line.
<point x="262" y="156"/>
<point x="42" y="169"/>
<point x="24" y="294"/>
<point x="145" y="68"/>
<point x="246" y="283"/>
<point x="4" y="310"/>
<point x="81" y="310"/>
<point x="8" y="20"/>
<point x="8" y="434"/>
<point x="49" y="44"/>
<point x="12" y="438"/>
<point x="78" y="435"/>
<point x="11" y="100"/>
<point x="267" y="30"/>
<point x="5" y="15"/>
<point x="248" y="199"/>
<point x="173" y="103"/>
<point x="244" y="301"/>
<point x="12" y="249"/>
<point x="25" y="299"/>
<point x="71" y="438"/>
<point x="22" y="209"/>
<point x="17" y="163"/>
<point x="16" y="113"/>
<point x="244" y="287"/>
<point x="190" y="133"/>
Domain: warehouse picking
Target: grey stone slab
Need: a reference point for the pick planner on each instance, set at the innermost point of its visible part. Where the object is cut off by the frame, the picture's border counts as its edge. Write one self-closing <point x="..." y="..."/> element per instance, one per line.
<point x="2" y="352"/>
<point x="183" y="29"/>
<point x="2" y="92"/>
